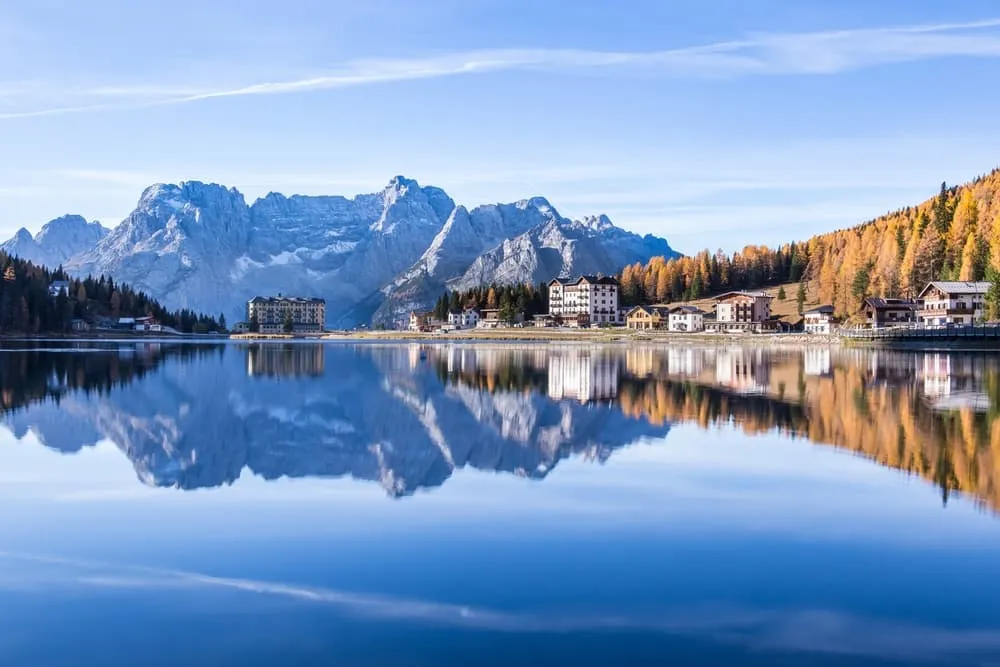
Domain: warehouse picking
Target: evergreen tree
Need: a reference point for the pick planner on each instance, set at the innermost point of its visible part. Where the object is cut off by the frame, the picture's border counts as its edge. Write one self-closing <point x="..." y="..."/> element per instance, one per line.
<point x="781" y="294"/>
<point x="800" y="298"/>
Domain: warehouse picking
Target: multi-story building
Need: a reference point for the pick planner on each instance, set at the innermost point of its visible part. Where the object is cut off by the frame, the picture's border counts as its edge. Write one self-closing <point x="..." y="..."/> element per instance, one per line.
<point x="741" y="311"/>
<point x="647" y="317"/>
<point x="584" y="301"/>
<point x="308" y="315"/>
<point x="818" y="320"/>
<point x="686" y="319"/>
<point x="952" y="302"/>
<point x="466" y="319"/>
<point x="423" y="322"/>
<point x="881" y="312"/>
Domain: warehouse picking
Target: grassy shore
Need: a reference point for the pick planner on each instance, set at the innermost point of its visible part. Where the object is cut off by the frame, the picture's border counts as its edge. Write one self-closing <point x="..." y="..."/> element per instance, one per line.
<point x="544" y="335"/>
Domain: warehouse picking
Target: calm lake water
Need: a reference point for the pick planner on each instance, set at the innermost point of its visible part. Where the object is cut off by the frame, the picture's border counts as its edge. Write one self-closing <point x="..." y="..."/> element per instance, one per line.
<point x="299" y="504"/>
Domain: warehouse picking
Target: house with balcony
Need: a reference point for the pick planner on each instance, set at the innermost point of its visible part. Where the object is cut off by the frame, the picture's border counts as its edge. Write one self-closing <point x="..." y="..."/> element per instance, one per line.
<point x="880" y="313"/>
<point x="647" y="317"/>
<point x="737" y="312"/>
<point x="818" y="320"/>
<point x="423" y="322"/>
<point x="948" y="302"/>
<point x="584" y="301"/>
<point x="686" y="319"/>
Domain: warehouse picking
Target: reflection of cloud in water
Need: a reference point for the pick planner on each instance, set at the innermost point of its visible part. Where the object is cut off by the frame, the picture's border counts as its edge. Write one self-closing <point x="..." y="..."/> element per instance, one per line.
<point x="804" y="630"/>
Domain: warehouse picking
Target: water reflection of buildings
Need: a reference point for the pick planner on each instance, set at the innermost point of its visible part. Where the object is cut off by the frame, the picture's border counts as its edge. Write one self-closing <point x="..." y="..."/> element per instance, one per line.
<point x="743" y="370"/>
<point x="954" y="382"/>
<point x="817" y="361"/>
<point x="583" y="375"/>
<point x="285" y="360"/>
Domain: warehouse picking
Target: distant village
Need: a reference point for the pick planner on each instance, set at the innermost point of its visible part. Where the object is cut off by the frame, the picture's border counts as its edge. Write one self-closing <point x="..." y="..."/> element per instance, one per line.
<point x="593" y="302"/>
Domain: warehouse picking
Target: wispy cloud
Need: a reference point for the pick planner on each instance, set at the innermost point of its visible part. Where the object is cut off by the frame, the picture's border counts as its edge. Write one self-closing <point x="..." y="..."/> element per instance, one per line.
<point x="758" y="55"/>
<point x="824" y="631"/>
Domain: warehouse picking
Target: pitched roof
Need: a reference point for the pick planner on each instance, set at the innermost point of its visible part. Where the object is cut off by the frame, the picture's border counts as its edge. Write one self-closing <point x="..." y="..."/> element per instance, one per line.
<point x="693" y="310"/>
<point x="593" y="280"/>
<point x="742" y="293"/>
<point x="958" y="287"/>
<point x="659" y="310"/>
<point x="879" y="302"/>
<point x="820" y="310"/>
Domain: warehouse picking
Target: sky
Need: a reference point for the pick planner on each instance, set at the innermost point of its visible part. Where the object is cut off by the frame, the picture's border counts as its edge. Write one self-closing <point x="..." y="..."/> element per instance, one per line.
<point x="715" y="124"/>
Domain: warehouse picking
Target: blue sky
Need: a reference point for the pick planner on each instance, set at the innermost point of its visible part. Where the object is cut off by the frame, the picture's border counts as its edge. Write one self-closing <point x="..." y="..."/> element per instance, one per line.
<point x="714" y="123"/>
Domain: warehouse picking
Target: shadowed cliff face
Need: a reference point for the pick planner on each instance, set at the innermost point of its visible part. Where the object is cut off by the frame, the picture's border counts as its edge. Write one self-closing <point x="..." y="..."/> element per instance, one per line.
<point x="407" y="416"/>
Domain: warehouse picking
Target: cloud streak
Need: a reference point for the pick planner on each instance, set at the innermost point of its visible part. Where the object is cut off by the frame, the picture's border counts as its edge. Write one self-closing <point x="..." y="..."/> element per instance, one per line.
<point x="813" y="53"/>
<point x="821" y="631"/>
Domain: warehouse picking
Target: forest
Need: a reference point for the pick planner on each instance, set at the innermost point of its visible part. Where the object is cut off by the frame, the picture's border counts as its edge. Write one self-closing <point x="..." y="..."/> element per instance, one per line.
<point x="952" y="236"/>
<point x="26" y="306"/>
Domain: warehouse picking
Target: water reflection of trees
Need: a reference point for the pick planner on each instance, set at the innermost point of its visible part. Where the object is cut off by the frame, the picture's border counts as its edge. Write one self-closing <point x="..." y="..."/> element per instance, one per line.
<point x="48" y="371"/>
<point x="936" y="416"/>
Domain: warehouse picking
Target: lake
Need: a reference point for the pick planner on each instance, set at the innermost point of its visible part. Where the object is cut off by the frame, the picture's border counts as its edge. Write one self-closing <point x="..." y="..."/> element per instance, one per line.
<point x="381" y="504"/>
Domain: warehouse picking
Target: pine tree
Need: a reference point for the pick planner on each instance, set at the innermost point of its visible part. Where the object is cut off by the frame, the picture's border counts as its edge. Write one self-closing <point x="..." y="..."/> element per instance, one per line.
<point x="800" y="298"/>
<point x="781" y="293"/>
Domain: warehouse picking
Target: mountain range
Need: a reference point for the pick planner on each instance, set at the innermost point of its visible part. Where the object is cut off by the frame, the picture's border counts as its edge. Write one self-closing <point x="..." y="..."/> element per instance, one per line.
<point x="373" y="257"/>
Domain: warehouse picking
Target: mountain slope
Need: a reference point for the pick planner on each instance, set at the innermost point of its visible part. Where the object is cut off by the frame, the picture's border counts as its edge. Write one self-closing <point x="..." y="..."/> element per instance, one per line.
<point x="561" y="248"/>
<point x="952" y="236"/>
<point x="513" y="243"/>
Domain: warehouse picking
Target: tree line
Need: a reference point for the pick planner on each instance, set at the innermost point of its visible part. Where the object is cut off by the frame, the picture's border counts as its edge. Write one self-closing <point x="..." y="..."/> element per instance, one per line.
<point x="27" y="307"/>
<point x="511" y="300"/>
<point x="952" y="236"/>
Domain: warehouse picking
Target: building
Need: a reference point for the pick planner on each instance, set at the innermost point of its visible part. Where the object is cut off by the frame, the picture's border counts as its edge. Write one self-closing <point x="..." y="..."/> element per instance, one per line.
<point x="80" y="325"/>
<point x="307" y="315"/>
<point x="489" y="318"/>
<point x="818" y="320"/>
<point x="741" y="311"/>
<point x="466" y="319"/>
<point x="686" y="319"/>
<point x="584" y="301"/>
<point x="881" y="312"/>
<point x="423" y="322"/>
<point x="952" y="302"/>
<point x="647" y="317"/>
<point x="147" y="324"/>
<point x="57" y="287"/>
<point x="241" y="328"/>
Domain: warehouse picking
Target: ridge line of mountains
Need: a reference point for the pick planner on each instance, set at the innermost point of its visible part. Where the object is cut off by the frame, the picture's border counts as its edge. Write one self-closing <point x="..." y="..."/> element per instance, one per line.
<point x="374" y="257"/>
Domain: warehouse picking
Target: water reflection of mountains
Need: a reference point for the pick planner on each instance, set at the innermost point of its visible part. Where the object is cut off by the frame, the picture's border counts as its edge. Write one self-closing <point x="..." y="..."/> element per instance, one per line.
<point x="407" y="416"/>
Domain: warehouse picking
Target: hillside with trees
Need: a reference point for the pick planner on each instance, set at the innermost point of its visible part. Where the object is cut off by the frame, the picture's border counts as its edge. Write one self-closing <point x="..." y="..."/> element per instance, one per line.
<point x="27" y="307"/>
<point x="952" y="236"/>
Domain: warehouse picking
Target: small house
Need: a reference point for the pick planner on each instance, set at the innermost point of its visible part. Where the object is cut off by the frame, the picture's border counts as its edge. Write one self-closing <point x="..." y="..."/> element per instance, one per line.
<point x="818" y="320"/>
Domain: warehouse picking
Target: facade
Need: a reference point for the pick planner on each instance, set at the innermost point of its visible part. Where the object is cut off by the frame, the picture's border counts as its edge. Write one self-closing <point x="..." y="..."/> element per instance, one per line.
<point x="647" y="317"/>
<point x="952" y="302"/>
<point x="818" y="320"/>
<point x="741" y="311"/>
<point x="686" y="319"/>
<point x="584" y="301"/>
<point x="308" y="315"/>
<point x="466" y="319"/>
<point x="880" y="313"/>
